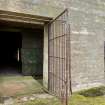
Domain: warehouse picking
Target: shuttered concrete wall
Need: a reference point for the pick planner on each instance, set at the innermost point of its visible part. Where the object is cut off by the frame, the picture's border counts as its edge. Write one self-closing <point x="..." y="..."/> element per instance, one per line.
<point x="32" y="52"/>
<point x="87" y="19"/>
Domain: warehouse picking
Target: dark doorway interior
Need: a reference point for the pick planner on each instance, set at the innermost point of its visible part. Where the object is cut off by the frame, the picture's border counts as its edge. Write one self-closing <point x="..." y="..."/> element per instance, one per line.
<point x="10" y="46"/>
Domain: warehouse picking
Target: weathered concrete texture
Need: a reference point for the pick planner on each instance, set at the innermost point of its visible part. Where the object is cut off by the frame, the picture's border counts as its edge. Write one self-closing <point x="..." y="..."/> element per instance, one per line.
<point x="87" y="19"/>
<point x="32" y="52"/>
<point x="45" y="57"/>
<point x="87" y="44"/>
<point x="37" y="7"/>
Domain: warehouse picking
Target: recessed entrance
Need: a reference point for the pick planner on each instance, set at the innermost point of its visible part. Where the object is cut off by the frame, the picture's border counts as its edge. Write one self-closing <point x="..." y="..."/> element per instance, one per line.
<point x="24" y="49"/>
<point x="21" y="60"/>
<point x="21" y="51"/>
<point x="33" y="54"/>
<point x="23" y="46"/>
<point x="10" y="56"/>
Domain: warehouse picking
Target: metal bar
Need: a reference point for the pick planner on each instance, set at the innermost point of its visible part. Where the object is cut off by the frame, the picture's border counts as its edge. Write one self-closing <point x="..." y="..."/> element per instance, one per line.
<point x="58" y="16"/>
<point x="57" y="76"/>
<point x="56" y="57"/>
<point x="67" y="55"/>
<point x="63" y="57"/>
<point x="59" y="64"/>
<point x="69" y="45"/>
<point x="57" y="37"/>
<point x="104" y="59"/>
<point x="61" y="21"/>
<point x="53" y="58"/>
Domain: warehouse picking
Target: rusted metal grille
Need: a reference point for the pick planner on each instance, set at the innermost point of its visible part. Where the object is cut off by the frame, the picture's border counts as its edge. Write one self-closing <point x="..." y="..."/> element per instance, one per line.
<point x="59" y="57"/>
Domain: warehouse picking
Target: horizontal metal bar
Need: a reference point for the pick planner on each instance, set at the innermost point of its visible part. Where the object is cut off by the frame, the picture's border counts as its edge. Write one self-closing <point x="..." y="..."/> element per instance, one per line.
<point x="58" y="77"/>
<point x="57" y="37"/>
<point x="61" y="21"/>
<point x="57" y="57"/>
<point x="58" y="16"/>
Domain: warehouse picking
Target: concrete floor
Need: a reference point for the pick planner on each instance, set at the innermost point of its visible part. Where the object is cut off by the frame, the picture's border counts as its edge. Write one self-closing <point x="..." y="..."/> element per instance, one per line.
<point x="17" y="85"/>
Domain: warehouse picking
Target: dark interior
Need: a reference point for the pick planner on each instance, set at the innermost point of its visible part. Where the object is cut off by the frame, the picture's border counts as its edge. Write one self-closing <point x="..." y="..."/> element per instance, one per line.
<point x="10" y="47"/>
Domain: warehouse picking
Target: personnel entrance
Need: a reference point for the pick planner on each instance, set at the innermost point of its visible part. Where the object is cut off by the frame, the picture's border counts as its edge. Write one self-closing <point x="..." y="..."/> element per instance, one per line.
<point x="45" y="47"/>
<point x="21" y="50"/>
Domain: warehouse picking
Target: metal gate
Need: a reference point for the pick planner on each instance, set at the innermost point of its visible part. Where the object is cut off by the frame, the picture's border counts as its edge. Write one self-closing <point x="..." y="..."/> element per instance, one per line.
<point x="59" y="56"/>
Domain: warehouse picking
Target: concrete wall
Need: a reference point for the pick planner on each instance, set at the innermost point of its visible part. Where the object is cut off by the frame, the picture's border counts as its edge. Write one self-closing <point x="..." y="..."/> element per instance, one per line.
<point x="87" y="19"/>
<point x="32" y="52"/>
<point x="45" y="57"/>
<point x="37" y="7"/>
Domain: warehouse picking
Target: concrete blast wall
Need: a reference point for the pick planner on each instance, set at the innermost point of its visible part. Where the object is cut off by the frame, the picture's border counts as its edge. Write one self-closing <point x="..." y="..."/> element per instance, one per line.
<point x="87" y="19"/>
<point x="32" y="52"/>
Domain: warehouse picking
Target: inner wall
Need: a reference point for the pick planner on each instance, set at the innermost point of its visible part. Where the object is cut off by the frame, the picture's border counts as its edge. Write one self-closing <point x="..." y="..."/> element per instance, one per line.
<point x="32" y="52"/>
<point x="21" y="50"/>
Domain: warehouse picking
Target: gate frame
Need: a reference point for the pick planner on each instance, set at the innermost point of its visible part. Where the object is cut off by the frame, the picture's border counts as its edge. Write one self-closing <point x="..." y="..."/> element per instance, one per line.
<point x="68" y="58"/>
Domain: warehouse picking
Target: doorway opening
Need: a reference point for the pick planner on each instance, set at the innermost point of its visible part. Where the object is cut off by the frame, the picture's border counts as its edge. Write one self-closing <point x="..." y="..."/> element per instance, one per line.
<point x="21" y="51"/>
<point x="22" y="41"/>
<point x="55" y="67"/>
<point x="10" y="57"/>
<point x="21" y="61"/>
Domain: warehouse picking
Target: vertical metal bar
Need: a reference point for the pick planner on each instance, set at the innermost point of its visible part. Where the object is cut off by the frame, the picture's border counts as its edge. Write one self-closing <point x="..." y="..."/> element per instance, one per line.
<point x="69" y="45"/>
<point x="53" y="56"/>
<point x="66" y="62"/>
<point x="58" y="60"/>
<point x="63" y="81"/>
<point x="55" y="60"/>
<point x="62" y="57"/>
<point x="104" y="61"/>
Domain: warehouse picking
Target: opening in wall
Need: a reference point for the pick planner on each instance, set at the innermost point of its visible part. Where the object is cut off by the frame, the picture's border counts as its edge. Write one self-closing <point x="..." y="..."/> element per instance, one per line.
<point x="10" y="55"/>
